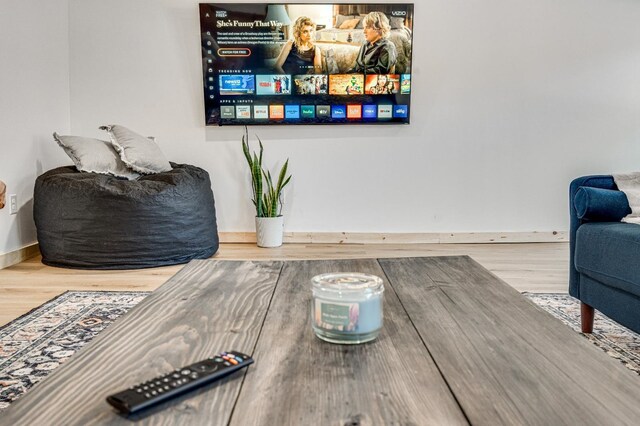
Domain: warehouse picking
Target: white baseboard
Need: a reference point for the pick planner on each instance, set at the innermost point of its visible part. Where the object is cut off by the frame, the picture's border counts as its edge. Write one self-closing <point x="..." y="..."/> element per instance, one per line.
<point x="404" y="238"/>
<point x="20" y="255"/>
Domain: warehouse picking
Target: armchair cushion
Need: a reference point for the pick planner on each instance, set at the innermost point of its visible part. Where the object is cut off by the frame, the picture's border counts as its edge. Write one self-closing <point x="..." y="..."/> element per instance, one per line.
<point x="601" y="205"/>
<point x="608" y="253"/>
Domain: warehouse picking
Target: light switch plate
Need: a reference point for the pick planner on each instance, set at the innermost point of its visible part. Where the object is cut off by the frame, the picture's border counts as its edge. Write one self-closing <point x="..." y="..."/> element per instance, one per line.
<point x="13" y="204"/>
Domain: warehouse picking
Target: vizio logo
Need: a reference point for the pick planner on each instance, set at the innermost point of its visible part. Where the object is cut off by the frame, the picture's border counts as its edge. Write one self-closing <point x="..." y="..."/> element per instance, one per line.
<point x="221" y="13"/>
<point x="398" y="13"/>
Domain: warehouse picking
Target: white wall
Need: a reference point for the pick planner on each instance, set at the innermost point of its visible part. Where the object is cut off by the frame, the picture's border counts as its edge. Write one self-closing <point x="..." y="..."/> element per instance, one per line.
<point x="34" y="101"/>
<point x="511" y="99"/>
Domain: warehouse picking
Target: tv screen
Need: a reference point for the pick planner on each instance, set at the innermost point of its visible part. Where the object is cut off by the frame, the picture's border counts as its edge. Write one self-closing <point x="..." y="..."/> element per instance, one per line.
<point x="339" y="63"/>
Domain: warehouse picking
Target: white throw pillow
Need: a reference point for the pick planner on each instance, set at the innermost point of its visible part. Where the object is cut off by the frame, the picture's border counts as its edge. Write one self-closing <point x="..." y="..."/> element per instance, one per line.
<point x="94" y="155"/>
<point x="136" y="151"/>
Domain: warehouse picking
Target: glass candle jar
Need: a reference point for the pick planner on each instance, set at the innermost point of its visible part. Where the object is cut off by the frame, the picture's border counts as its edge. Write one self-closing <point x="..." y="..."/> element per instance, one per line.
<point x="346" y="307"/>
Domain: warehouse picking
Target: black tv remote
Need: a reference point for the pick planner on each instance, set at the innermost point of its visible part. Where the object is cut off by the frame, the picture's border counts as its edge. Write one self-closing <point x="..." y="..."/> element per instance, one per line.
<point x="177" y="382"/>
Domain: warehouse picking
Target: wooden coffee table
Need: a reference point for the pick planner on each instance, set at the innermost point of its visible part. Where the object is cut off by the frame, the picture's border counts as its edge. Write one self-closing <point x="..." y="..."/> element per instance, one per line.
<point x="458" y="346"/>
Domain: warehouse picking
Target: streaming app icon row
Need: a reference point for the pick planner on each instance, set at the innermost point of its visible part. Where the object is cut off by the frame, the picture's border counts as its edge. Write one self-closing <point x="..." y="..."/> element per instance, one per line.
<point x="293" y="112"/>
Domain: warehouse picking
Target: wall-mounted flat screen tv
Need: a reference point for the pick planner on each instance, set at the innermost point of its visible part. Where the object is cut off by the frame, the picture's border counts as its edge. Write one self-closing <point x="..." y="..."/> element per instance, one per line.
<point x="339" y="63"/>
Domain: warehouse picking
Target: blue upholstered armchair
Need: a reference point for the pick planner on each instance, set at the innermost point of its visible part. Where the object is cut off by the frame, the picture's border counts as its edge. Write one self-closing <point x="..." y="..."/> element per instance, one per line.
<point x="604" y="270"/>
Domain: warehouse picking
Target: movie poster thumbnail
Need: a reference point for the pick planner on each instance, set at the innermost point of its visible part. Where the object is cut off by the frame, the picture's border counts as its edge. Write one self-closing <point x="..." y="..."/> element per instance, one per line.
<point x="310" y="84"/>
<point x="346" y="84"/>
<point x="274" y="84"/>
<point x="382" y="84"/>
<point x="405" y="84"/>
<point x="238" y="84"/>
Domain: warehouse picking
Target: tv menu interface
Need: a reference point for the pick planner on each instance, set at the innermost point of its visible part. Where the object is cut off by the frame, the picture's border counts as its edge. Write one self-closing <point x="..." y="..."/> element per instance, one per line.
<point x="306" y="63"/>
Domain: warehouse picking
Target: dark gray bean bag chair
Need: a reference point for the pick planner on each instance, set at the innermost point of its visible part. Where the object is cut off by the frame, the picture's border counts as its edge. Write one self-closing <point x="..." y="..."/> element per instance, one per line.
<point x="95" y="221"/>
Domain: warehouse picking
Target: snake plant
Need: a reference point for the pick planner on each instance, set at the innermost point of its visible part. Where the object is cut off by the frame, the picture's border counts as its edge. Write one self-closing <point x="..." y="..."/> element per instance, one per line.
<point x="267" y="197"/>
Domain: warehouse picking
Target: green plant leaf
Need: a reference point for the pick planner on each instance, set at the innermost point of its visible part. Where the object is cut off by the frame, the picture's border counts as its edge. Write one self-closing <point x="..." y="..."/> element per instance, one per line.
<point x="267" y="198"/>
<point x="285" y="182"/>
<point x="245" y="146"/>
<point x="261" y="149"/>
<point x="256" y="174"/>
<point x="283" y="172"/>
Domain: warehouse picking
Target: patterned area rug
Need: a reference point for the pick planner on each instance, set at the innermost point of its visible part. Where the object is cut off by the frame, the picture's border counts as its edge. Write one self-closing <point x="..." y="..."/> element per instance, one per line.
<point x="619" y="342"/>
<point x="39" y="341"/>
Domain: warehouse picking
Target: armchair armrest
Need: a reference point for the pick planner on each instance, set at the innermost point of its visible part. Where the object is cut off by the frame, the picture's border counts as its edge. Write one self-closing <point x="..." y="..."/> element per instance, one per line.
<point x="594" y="181"/>
<point x="600" y="205"/>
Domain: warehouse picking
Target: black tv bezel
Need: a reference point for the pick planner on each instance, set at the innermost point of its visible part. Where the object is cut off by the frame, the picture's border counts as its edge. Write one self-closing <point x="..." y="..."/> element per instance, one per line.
<point x="300" y="121"/>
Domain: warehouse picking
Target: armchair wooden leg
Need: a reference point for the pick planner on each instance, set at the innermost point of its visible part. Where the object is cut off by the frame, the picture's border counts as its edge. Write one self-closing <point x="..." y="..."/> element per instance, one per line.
<point x="586" y="317"/>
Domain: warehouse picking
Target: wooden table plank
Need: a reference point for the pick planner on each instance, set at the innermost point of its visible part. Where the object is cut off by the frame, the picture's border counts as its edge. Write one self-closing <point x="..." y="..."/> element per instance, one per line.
<point x="506" y="360"/>
<point x="300" y="379"/>
<point x="208" y="307"/>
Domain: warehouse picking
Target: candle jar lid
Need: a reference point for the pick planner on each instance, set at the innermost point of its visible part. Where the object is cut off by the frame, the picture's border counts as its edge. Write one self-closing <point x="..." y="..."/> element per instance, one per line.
<point x="339" y="285"/>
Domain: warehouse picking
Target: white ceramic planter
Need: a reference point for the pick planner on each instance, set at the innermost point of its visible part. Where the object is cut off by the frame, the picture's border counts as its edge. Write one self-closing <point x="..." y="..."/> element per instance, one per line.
<point x="269" y="231"/>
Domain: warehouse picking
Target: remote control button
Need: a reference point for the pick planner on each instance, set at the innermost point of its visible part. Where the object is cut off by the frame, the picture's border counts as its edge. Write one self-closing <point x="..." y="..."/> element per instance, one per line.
<point x="158" y="383"/>
<point x="139" y="390"/>
<point x="165" y="380"/>
<point x="145" y="388"/>
<point x="166" y="387"/>
<point x="185" y="372"/>
<point x="175" y="384"/>
<point x="154" y="392"/>
<point x="231" y="355"/>
<point x="223" y="354"/>
<point x="160" y="390"/>
<point x="147" y="395"/>
<point x="217" y="359"/>
<point x="194" y="375"/>
<point x="227" y="363"/>
<point x="233" y="361"/>
<point x="175" y="375"/>
<point x="205" y="366"/>
<point x="151" y="385"/>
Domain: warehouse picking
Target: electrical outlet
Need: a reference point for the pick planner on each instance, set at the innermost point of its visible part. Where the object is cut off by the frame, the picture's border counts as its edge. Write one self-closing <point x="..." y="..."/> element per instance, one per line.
<point x="13" y="204"/>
